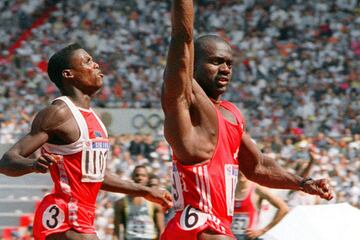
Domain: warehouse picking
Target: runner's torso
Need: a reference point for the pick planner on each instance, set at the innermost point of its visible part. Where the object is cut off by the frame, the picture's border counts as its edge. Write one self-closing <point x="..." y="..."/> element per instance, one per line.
<point x="245" y="212"/>
<point x="210" y="187"/>
<point x="80" y="169"/>
<point x="139" y="220"/>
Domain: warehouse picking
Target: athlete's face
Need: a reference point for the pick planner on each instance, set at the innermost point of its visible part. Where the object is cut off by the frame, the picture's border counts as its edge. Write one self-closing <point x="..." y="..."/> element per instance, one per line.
<point x="154" y="182"/>
<point x="141" y="176"/>
<point x="213" y="69"/>
<point x="86" y="73"/>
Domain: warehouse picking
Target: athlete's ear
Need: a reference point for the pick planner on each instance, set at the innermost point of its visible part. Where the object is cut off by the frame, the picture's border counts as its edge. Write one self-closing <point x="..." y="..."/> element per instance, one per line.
<point x="66" y="73"/>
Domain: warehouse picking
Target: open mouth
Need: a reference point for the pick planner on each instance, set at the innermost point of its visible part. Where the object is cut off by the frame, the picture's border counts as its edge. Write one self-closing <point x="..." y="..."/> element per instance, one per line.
<point x="223" y="81"/>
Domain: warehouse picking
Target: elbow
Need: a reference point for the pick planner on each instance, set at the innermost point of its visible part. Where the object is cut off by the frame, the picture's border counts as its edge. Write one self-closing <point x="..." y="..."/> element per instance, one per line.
<point x="5" y="163"/>
<point x="284" y="210"/>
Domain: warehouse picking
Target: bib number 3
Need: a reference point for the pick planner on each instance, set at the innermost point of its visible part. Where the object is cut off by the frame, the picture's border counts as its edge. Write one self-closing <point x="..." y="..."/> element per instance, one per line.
<point x="53" y="217"/>
<point x="192" y="218"/>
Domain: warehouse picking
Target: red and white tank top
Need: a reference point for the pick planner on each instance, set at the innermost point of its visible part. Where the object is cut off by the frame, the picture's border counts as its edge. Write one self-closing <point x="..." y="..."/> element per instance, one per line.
<point x="245" y="213"/>
<point x="80" y="170"/>
<point x="206" y="191"/>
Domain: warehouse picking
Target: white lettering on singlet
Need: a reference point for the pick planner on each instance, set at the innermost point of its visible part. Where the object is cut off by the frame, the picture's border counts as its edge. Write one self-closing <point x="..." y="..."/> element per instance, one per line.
<point x="177" y="189"/>
<point x="231" y="177"/>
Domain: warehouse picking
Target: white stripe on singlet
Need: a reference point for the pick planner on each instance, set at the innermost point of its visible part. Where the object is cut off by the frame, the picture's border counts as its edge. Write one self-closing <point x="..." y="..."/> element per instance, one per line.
<point x="198" y="187"/>
<point x="203" y="188"/>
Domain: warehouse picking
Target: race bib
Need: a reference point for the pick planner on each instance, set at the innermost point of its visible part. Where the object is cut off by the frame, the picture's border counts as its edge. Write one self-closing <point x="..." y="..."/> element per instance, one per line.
<point x="240" y="223"/>
<point x="231" y="177"/>
<point x="192" y="218"/>
<point x="53" y="217"/>
<point x="93" y="162"/>
<point x="177" y="190"/>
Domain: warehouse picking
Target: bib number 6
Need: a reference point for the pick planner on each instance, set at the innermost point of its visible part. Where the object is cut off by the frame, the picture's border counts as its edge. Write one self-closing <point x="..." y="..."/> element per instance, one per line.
<point x="192" y="218"/>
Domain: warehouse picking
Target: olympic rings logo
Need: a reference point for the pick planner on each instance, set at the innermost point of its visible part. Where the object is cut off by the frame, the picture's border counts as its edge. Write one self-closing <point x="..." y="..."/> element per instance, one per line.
<point x="153" y="121"/>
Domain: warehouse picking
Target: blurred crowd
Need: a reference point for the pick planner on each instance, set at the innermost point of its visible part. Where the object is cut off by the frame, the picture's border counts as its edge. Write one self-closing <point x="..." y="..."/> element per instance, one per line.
<point x="296" y="67"/>
<point x="296" y="77"/>
<point x="335" y="159"/>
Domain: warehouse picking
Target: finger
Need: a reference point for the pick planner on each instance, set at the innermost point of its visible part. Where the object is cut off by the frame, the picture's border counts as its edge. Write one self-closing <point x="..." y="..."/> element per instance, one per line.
<point x="168" y="196"/>
<point x="168" y="204"/>
<point x="165" y="206"/>
<point x="326" y="189"/>
<point x="250" y="235"/>
<point x="49" y="158"/>
<point x="326" y="194"/>
<point x="41" y="160"/>
<point x="40" y="167"/>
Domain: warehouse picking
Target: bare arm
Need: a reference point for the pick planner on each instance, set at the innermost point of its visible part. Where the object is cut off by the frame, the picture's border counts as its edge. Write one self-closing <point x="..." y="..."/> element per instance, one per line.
<point x="119" y="215"/>
<point x="177" y="87"/>
<point x="178" y="74"/>
<point x="113" y="183"/>
<point x="282" y="208"/>
<point x="306" y="172"/>
<point x="265" y="171"/>
<point x="17" y="160"/>
<point x="159" y="219"/>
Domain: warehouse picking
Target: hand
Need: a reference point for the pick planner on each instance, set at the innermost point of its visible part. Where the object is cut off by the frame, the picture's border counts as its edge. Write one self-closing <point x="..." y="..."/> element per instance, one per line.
<point x="320" y="187"/>
<point x="42" y="164"/>
<point x="313" y="153"/>
<point x="161" y="197"/>
<point x="253" y="234"/>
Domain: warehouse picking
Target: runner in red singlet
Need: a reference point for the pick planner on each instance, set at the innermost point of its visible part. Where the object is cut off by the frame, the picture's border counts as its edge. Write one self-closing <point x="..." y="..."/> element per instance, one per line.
<point x="75" y="147"/>
<point x="207" y="136"/>
<point x="247" y="207"/>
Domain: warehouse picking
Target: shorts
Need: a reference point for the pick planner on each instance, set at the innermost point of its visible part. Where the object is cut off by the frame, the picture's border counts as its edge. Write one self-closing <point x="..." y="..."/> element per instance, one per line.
<point x="177" y="228"/>
<point x="55" y="215"/>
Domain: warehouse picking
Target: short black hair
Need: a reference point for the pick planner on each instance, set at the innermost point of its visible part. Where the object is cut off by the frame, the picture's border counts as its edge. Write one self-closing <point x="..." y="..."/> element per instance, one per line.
<point x="201" y="44"/>
<point x="60" y="61"/>
<point x="138" y="167"/>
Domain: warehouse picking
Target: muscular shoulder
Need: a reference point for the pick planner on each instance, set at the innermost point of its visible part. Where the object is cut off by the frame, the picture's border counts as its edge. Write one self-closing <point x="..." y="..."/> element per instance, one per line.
<point x="52" y="117"/>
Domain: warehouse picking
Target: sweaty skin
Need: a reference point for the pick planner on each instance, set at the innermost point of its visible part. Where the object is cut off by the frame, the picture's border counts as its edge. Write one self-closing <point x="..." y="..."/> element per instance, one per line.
<point x="192" y="86"/>
<point x="56" y="124"/>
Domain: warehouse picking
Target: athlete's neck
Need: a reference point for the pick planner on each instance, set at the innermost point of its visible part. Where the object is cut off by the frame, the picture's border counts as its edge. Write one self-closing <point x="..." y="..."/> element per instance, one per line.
<point x="82" y="101"/>
<point x="217" y="102"/>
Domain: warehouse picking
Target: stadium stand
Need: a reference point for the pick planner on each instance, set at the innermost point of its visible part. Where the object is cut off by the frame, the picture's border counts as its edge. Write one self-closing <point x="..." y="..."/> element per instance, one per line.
<point x="297" y="72"/>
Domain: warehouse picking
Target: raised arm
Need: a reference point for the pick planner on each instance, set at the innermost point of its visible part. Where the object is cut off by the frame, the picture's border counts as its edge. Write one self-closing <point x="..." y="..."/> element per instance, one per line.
<point x="178" y="74"/>
<point x="177" y="96"/>
<point x="265" y="171"/>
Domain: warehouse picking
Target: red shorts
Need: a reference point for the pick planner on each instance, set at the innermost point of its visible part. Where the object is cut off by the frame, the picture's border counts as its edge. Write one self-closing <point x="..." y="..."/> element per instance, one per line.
<point x="189" y="226"/>
<point x="55" y="215"/>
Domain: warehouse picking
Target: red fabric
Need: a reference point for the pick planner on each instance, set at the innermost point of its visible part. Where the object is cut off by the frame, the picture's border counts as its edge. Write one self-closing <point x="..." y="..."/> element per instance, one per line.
<point x="42" y="65"/>
<point x="209" y="187"/>
<point x="174" y="230"/>
<point x="80" y="196"/>
<point x="247" y="207"/>
<point x="45" y="216"/>
<point x="25" y="220"/>
<point x="6" y="233"/>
